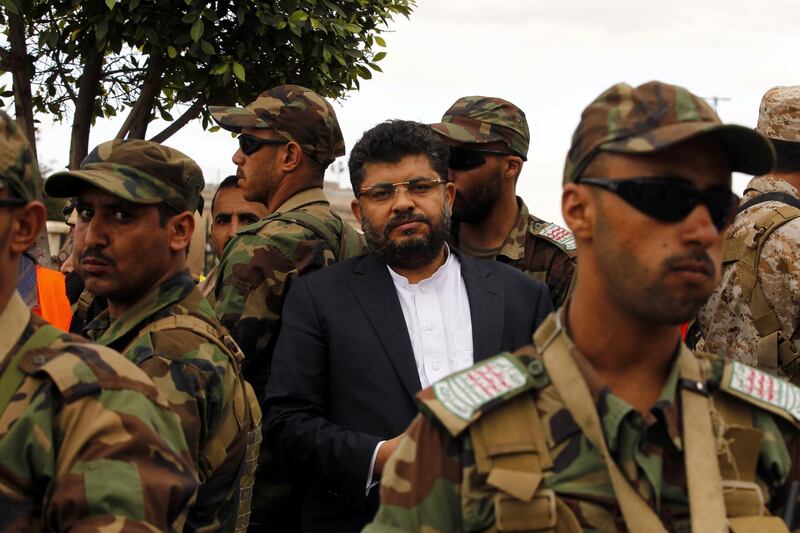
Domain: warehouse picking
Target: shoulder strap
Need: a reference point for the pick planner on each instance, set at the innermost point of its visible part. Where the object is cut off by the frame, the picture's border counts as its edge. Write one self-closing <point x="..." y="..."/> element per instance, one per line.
<point x="195" y="325"/>
<point x="12" y="376"/>
<point x="772" y="349"/>
<point x="315" y="225"/>
<point x="770" y="197"/>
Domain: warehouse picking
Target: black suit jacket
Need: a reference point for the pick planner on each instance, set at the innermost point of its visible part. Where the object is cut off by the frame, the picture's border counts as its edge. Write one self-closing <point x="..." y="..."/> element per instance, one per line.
<point x="344" y="375"/>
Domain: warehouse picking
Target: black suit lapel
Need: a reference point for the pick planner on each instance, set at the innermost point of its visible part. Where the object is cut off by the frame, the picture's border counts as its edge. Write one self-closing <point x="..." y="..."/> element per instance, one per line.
<point x="375" y="292"/>
<point x="486" y="307"/>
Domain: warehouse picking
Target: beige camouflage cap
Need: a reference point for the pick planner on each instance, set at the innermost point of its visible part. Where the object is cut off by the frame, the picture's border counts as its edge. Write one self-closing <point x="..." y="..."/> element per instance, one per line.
<point x="139" y="171"/>
<point x="655" y="116"/>
<point x="18" y="168"/>
<point x="779" y="114"/>
<point x="296" y="113"/>
<point x="485" y="119"/>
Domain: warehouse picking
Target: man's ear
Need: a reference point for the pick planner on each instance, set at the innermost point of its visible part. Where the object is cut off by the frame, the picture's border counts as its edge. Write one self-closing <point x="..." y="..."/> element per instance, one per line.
<point x="512" y="166"/>
<point x="450" y="193"/>
<point x="355" y="207"/>
<point x="27" y="222"/>
<point x="577" y="208"/>
<point x="181" y="230"/>
<point x="291" y="156"/>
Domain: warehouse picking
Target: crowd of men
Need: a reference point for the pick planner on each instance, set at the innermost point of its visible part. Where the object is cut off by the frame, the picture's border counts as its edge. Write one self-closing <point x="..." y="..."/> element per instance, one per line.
<point x="459" y="365"/>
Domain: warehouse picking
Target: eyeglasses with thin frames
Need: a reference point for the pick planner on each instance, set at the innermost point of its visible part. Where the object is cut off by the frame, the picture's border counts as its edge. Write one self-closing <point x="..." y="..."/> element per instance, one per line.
<point x="381" y="192"/>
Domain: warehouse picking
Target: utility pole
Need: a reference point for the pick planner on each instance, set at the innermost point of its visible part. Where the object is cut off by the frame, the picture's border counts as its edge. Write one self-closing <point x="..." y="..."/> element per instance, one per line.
<point x="715" y="100"/>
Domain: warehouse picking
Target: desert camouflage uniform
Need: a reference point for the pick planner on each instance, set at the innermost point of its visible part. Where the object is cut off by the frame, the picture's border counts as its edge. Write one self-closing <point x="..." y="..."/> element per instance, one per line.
<point x="754" y="313"/>
<point x="541" y="249"/>
<point x="200" y="382"/>
<point x="441" y="480"/>
<point x="726" y="321"/>
<point x="86" y="443"/>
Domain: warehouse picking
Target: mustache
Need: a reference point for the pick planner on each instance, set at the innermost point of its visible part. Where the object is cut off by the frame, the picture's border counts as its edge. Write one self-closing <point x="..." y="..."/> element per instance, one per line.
<point x="693" y="257"/>
<point x="405" y="218"/>
<point x="92" y="253"/>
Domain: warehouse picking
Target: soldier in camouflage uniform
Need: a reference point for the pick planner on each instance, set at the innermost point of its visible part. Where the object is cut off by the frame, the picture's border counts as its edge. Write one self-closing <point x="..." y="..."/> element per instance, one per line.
<point x="288" y="137"/>
<point x="489" y="141"/>
<point x="753" y="315"/>
<point x="608" y="422"/>
<point x="135" y="222"/>
<point x="86" y="441"/>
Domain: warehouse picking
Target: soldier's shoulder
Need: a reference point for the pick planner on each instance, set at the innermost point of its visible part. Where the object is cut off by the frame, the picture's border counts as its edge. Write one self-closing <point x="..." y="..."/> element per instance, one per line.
<point x="79" y="368"/>
<point x="460" y="399"/>
<point x="560" y="238"/>
<point x="752" y="386"/>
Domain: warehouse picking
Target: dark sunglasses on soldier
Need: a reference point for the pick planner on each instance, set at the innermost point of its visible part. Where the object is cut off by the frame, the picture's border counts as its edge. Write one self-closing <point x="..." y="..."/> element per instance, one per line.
<point x="464" y="159"/>
<point x="670" y="198"/>
<point x="12" y="202"/>
<point x="251" y="144"/>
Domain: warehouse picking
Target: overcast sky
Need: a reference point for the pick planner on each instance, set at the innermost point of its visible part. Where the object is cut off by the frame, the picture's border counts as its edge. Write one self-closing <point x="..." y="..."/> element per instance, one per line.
<point x="549" y="57"/>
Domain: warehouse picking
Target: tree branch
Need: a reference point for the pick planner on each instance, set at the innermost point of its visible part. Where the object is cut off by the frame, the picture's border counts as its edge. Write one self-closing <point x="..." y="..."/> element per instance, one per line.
<point x="135" y="125"/>
<point x="188" y="115"/>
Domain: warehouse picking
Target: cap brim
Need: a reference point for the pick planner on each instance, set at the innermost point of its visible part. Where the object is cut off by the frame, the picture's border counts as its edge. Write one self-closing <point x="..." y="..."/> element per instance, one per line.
<point x="235" y="118"/>
<point x="748" y="151"/>
<point x="67" y="184"/>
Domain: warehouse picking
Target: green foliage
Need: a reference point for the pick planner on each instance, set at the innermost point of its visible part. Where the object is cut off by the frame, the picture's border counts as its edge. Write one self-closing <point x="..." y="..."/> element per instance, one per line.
<point x="222" y="51"/>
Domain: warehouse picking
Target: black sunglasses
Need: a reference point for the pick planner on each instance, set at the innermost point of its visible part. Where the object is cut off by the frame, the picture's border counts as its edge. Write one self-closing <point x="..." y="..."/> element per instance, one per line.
<point x="670" y="198"/>
<point x="251" y="144"/>
<point x="12" y="202"/>
<point x="464" y="159"/>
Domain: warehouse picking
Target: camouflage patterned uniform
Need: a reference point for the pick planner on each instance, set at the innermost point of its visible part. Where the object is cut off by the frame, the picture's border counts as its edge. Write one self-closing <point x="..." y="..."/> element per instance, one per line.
<point x="538" y="441"/>
<point x="477" y="470"/>
<point x="541" y="249"/>
<point x="172" y="334"/>
<point x="737" y="321"/>
<point x="258" y="265"/>
<point x="86" y="441"/>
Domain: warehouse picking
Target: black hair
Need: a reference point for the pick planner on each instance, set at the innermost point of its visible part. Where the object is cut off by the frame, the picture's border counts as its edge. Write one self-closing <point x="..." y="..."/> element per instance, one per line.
<point x="165" y="212"/>
<point x="787" y="156"/>
<point x="231" y="182"/>
<point x="391" y="141"/>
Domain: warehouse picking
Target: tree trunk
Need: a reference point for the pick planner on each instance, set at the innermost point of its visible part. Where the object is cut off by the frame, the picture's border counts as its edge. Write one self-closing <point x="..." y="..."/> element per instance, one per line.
<point x="188" y="115"/>
<point x="88" y="88"/>
<point x="135" y="125"/>
<point x="21" y="76"/>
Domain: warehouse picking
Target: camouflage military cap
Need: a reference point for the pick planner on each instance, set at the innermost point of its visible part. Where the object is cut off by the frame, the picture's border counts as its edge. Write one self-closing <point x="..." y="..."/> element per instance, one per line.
<point x="484" y="119"/>
<point x="653" y="117"/>
<point x="779" y="114"/>
<point x="296" y="114"/>
<point x="18" y="168"/>
<point x="139" y="171"/>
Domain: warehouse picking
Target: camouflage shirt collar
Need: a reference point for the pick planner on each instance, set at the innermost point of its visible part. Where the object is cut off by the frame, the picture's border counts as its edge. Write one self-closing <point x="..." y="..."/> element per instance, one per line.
<point x="513" y="248"/>
<point x="614" y="410"/>
<point x="768" y="183"/>
<point x="173" y="290"/>
<point x="309" y="196"/>
<point x="13" y="321"/>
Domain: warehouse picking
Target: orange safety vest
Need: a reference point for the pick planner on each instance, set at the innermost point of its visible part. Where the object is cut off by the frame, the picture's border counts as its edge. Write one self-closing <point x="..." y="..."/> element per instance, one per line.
<point x="53" y="306"/>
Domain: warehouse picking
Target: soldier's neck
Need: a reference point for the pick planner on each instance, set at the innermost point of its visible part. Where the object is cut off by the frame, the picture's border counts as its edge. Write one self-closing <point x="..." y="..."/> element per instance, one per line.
<point x="632" y="356"/>
<point x="792" y="178"/>
<point x="119" y="306"/>
<point x="289" y="186"/>
<point x="492" y="231"/>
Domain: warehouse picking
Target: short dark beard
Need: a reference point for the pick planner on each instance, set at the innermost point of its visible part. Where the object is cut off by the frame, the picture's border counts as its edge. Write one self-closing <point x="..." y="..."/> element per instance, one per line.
<point x="411" y="253"/>
<point x="475" y="205"/>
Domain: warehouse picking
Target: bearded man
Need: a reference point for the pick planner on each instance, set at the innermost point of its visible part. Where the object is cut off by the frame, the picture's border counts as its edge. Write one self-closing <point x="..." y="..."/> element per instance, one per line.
<point x="361" y="338"/>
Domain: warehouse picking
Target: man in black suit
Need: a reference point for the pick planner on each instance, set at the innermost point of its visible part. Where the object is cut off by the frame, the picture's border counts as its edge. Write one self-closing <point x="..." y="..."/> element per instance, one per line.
<point x="361" y="338"/>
